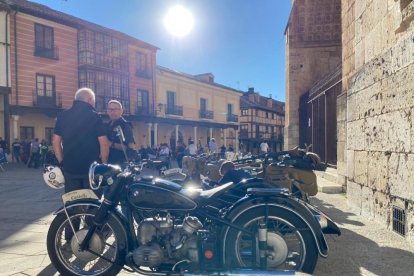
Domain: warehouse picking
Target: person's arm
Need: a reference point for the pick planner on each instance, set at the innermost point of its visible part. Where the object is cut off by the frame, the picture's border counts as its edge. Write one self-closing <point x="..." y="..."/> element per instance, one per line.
<point x="57" y="147"/>
<point x="104" y="148"/>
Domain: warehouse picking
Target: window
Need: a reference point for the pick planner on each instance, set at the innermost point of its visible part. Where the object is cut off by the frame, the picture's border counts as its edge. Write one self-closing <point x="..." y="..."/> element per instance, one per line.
<point x="45" y="85"/>
<point x="203" y="105"/>
<point x="26" y="133"/>
<point x="171" y="98"/>
<point x="48" y="134"/>
<point x="143" y="102"/>
<point x="44" y="42"/>
<point x="107" y="86"/>
<point x="229" y="109"/>
<point x="141" y="69"/>
<point x="244" y="112"/>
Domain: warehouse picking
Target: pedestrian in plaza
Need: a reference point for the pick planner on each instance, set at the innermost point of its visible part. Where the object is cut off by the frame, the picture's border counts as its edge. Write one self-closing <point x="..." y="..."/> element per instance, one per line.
<point x="200" y="149"/>
<point x="191" y="149"/>
<point x="264" y="147"/>
<point x="212" y="146"/>
<point x="43" y="149"/>
<point x="16" y="149"/>
<point x="179" y="153"/>
<point x="223" y="151"/>
<point x="34" y="158"/>
<point x="116" y="154"/>
<point x="81" y="133"/>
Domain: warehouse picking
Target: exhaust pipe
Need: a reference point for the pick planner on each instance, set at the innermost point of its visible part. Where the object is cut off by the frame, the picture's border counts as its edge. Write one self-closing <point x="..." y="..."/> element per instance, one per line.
<point x="248" y="272"/>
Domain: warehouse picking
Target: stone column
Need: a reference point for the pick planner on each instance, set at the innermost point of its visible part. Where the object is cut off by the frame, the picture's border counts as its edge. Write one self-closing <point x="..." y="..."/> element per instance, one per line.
<point x="149" y="134"/>
<point x="195" y="135"/>
<point x="211" y="132"/>
<point x="224" y="137"/>
<point x="156" y="134"/>
<point x="15" y="129"/>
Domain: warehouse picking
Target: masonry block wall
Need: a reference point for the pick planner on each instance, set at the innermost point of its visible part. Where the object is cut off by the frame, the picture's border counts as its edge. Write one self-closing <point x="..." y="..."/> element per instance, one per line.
<point x="378" y="78"/>
<point x="313" y="49"/>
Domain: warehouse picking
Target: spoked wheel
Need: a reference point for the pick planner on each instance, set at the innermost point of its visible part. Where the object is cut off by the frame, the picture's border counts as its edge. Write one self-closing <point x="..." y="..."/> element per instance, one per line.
<point x="66" y="256"/>
<point x="290" y="244"/>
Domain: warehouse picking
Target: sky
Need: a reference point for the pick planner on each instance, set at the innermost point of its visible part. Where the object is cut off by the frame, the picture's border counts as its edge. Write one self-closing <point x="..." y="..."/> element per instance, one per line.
<point x="241" y="42"/>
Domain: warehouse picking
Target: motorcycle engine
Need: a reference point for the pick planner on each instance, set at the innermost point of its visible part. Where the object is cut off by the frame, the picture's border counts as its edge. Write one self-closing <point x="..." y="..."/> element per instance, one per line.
<point x="160" y="241"/>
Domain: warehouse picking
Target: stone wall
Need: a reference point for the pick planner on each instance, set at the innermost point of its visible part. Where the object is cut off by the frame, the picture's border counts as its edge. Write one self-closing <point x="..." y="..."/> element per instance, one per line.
<point x="378" y="77"/>
<point x="313" y="49"/>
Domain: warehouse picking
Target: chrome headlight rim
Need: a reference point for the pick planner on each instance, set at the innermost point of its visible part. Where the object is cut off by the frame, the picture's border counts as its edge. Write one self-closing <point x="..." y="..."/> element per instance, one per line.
<point x="91" y="175"/>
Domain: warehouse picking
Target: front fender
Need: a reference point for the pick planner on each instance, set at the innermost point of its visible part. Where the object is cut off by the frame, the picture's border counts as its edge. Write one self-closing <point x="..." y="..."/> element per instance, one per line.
<point x="94" y="203"/>
<point x="280" y="200"/>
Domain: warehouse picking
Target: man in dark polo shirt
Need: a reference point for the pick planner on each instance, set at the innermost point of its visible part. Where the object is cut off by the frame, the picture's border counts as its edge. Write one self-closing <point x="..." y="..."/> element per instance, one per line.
<point x="81" y="133"/>
<point x="116" y="155"/>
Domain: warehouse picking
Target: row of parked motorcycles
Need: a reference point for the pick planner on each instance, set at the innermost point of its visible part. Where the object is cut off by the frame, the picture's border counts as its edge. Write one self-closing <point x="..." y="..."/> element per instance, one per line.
<point x="185" y="223"/>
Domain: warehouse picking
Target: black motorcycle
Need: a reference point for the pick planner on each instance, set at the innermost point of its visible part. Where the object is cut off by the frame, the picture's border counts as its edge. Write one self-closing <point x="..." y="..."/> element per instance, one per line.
<point x="156" y="227"/>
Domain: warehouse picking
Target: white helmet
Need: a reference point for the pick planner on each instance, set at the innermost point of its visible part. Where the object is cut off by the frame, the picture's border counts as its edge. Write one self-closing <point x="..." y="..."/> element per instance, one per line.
<point x="53" y="177"/>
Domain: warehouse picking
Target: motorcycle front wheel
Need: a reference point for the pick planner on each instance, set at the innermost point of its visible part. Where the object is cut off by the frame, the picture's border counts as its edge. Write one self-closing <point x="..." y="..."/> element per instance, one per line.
<point x="290" y="243"/>
<point x="106" y="254"/>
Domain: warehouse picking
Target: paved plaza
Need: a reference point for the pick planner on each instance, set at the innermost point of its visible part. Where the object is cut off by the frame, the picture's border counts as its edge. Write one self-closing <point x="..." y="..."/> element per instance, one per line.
<point x="365" y="247"/>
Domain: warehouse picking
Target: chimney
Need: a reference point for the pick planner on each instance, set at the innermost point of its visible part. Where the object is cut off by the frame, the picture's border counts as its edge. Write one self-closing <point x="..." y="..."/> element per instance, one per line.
<point x="251" y="90"/>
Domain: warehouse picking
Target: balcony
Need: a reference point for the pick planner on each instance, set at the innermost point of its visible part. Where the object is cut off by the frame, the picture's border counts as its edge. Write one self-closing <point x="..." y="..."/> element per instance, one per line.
<point x="206" y="114"/>
<point x="52" y="53"/>
<point x="142" y="110"/>
<point x="176" y="110"/>
<point x="52" y="101"/>
<point x="232" y="118"/>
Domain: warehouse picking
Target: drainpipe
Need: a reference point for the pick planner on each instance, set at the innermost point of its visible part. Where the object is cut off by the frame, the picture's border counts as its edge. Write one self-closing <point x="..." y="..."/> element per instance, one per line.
<point x="6" y="96"/>
<point x="15" y="57"/>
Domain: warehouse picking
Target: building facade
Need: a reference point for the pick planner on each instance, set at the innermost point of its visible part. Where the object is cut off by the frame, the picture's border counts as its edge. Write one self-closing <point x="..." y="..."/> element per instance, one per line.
<point x="261" y="119"/>
<point x="195" y="108"/>
<point x="47" y="55"/>
<point x="313" y="50"/>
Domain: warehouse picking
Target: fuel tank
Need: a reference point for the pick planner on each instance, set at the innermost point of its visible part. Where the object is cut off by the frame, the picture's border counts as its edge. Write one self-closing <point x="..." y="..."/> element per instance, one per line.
<point x="163" y="195"/>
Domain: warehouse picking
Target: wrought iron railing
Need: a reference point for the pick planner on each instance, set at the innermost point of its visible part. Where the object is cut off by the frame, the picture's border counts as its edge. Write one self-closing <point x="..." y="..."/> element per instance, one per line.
<point x="232" y="118"/>
<point x="174" y="110"/>
<point x="206" y="114"/>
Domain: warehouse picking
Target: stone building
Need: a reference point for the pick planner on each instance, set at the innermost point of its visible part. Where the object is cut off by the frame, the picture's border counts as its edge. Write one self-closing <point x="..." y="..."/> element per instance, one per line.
<point x="378" y="63"/>
<point x="374" y="107"/>
<point x="261" y="119"/>
<point x="313" y="50"/>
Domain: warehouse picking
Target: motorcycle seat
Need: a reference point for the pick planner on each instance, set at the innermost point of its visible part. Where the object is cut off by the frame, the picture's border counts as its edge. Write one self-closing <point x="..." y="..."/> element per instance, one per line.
<point x="217" y="191"/>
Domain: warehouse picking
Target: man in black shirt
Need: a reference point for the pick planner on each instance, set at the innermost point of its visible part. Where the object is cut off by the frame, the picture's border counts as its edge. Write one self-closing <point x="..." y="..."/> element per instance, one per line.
<point x="116" y="154"/>
<point x="81" y="133"/>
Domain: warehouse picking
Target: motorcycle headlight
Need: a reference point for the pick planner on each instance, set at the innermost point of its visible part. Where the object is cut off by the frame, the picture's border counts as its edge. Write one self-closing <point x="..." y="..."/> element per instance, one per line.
<point x="102" y="174"/>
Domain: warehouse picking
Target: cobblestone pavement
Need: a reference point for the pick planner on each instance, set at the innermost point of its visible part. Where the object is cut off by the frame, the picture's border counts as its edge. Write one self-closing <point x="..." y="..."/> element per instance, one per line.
<point x="364" y="248"/>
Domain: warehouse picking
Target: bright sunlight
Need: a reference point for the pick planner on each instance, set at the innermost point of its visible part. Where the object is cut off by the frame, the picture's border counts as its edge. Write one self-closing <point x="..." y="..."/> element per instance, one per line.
<point x="179" y="21"/>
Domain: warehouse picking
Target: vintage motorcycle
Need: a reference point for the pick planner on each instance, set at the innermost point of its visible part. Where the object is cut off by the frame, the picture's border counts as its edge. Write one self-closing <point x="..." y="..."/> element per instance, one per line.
<point x="156" y="227"/>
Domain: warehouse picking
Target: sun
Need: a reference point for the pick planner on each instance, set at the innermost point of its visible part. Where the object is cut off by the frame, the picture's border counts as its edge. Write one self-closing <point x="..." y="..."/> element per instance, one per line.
<point x="179" y="21"/>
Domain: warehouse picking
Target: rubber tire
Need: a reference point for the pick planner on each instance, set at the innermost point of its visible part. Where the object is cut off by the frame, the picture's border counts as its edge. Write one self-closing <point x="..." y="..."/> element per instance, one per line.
<point x="311" y="257"/>
<point x="60" y="219"/>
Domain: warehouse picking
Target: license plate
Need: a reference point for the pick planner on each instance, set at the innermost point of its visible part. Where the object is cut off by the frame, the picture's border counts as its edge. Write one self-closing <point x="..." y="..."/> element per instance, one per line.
<point x="78" y="194"/>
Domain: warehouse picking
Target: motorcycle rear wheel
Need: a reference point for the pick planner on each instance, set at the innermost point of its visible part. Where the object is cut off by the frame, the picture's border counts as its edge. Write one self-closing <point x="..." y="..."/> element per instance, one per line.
<point x="107" y="241"/>
<point x="291" y="245"/>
